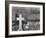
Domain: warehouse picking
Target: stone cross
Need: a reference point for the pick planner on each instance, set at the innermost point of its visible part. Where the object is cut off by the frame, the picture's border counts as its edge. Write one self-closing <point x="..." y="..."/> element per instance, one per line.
<point x="20" y="18"/>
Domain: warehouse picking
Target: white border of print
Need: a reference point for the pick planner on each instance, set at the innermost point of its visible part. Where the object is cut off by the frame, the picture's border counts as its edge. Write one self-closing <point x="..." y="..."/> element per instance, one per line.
<point x="25" y="32"/>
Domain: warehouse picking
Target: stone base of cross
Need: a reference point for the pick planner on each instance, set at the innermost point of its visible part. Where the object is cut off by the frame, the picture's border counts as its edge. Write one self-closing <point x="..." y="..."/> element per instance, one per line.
<point x="20" y="22"/>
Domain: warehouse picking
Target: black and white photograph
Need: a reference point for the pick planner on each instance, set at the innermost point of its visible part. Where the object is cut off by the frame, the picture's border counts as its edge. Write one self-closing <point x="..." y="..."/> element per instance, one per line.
<point x="25" y="19"/>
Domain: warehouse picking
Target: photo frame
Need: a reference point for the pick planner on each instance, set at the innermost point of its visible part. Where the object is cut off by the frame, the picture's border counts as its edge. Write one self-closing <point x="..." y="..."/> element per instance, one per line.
<point x="33" y="14"/>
